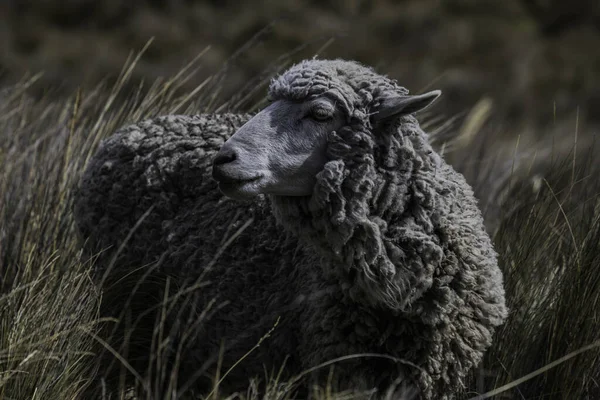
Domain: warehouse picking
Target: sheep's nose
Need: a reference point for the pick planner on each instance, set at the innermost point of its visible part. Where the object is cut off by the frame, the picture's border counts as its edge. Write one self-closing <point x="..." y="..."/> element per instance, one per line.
<point x="225" y="157"/>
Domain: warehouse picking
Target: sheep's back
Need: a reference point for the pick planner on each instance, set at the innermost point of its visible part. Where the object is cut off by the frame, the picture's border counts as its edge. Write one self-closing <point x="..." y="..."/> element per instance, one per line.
<point x="143" y="175"/>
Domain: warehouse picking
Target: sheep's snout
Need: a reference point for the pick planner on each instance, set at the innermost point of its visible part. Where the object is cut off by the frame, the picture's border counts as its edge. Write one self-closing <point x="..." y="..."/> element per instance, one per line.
<point x="228" y="171"/>
<point x="236" y="178"/>
<point x="224" y="157"/>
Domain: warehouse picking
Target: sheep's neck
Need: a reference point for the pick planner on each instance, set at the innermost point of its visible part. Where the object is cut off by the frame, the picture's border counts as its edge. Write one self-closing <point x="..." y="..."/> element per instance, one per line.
<point x="350" y="216"/>
<point x="349" y="241"/>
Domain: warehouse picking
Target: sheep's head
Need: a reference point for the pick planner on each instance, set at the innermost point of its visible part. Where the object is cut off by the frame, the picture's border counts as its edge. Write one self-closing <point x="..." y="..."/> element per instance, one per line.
<point x="280" y="150"/>
<point x="283" y="148"/>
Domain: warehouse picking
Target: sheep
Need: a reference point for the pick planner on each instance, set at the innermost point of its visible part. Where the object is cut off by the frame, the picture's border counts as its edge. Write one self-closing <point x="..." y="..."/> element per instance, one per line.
<point x="341" y="227"/>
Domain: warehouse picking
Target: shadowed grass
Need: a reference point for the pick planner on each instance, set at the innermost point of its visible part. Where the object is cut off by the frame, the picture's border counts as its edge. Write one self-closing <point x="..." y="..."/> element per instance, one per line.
<point x="543" y="208"/>
<point x="48" y="300"/>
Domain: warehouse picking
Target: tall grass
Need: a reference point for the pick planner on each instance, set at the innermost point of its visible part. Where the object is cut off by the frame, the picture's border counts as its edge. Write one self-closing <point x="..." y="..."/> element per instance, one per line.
<point x="542" y="207"/>
<point x="50" y="306"/>
<point x="542" y="203"/>
<point x="46" y="296"/>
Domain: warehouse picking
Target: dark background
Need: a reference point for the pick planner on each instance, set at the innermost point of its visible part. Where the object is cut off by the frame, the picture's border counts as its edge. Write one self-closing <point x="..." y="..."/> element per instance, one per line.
<point x="538" y="60"/>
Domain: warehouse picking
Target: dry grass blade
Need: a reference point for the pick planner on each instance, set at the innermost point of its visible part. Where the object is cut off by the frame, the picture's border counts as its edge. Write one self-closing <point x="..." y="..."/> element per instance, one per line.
<point x="537" y="372"/>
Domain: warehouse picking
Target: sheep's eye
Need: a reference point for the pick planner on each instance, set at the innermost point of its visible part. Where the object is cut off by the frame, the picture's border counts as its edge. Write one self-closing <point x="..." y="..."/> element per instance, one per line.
<point x="321" y="114"/>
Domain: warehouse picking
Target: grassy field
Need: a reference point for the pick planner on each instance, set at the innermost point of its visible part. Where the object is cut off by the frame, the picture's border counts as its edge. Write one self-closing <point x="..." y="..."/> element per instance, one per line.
<point x="541" y="201"/>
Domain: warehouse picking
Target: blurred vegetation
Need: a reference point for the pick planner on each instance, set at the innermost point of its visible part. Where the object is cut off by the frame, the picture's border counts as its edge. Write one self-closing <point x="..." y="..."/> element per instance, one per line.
<point x="533" y="58"/>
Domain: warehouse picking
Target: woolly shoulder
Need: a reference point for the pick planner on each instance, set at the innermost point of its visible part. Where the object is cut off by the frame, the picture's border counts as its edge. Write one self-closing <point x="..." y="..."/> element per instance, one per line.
<point x="466" y="242"/>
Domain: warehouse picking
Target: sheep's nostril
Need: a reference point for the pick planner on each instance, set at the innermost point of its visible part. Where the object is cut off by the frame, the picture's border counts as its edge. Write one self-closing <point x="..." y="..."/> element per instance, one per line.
<point x="225" y="157"/>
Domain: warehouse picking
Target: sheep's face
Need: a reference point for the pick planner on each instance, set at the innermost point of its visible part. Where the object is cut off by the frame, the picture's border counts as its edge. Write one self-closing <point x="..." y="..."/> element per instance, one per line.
<point x="279" y="151"/>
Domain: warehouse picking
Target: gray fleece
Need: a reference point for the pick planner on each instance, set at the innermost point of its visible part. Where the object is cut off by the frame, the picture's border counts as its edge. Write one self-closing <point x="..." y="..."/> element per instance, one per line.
<point x="388" y="256"/>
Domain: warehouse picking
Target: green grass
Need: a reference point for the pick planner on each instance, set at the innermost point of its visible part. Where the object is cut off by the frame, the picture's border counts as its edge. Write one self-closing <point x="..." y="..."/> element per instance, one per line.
<point x="542" y="206"/>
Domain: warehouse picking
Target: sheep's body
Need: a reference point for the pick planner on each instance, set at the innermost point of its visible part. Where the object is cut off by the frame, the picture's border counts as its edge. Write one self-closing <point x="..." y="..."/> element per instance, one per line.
<point x="163" y="163"/>
<point x="388" y="256"/>
<point x="155" y="176"/>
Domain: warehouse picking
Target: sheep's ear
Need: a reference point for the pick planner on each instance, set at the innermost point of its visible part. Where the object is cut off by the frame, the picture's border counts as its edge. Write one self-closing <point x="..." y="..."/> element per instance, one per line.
<point x="394" y="106"/>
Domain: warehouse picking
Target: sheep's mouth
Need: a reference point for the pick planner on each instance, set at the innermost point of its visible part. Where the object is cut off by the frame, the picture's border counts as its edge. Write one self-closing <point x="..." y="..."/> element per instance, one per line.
<point x="236" y="181"/>
<point x="229" y="174"/>
<point x="240" y="188"/>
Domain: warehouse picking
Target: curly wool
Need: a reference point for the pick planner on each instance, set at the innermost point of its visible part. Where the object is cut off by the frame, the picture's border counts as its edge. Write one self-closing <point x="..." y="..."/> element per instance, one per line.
<point x="398" y="226"/>
<point x="350" y="84"/>
<point x="143" y="175"/>
<point x="388" y="255"/>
